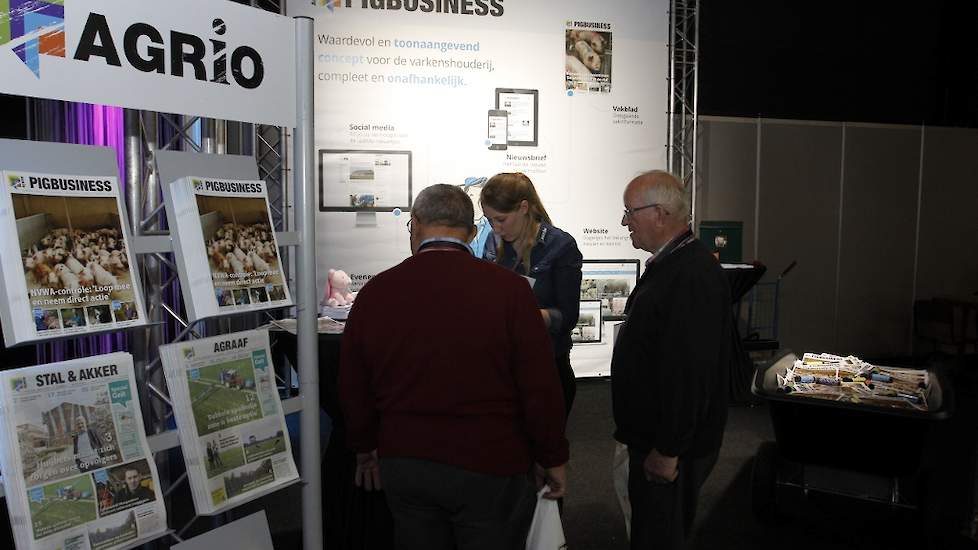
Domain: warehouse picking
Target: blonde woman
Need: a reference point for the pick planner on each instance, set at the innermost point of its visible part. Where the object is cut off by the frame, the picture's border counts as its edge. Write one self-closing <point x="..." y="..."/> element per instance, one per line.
<point x="528" y="243"/>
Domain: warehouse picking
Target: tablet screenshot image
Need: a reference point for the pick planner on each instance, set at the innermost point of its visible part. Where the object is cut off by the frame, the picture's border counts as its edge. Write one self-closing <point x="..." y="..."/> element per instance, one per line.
<point x="364" y="181"/>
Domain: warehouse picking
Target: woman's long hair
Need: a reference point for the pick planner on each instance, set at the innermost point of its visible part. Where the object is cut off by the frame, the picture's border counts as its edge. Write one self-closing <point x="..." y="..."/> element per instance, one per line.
<point x="504" y="193"/>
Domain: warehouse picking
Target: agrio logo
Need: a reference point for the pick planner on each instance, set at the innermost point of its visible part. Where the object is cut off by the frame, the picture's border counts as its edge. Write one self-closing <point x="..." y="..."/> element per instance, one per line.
<point x="172" y="56"/>
<point x="31" y="28"/>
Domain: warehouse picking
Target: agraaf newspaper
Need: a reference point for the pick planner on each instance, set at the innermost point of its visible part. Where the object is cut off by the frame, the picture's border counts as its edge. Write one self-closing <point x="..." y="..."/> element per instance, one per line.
<point x="64" y="257"/>
<point x="78" y="473"/>
<point x="225" y="246"/>
<point x="232" y="428"/>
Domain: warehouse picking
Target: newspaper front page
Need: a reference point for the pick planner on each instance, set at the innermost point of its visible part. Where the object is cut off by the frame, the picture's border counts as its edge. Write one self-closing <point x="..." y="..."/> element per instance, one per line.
<point x="232" y="428"/>
<point x="225" y="246"/>
<point x="65" y="257"/>
<point x="78" y="473"/>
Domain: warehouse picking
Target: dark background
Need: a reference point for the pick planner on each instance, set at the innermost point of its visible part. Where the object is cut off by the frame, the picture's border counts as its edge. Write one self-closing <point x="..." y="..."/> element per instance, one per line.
<point x="13" y="110"/>
<point x="863" y="61"/>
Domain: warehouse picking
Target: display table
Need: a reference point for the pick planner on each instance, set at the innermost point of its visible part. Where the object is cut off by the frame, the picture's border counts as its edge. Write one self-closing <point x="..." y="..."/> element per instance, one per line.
<point x="353" y="519"/>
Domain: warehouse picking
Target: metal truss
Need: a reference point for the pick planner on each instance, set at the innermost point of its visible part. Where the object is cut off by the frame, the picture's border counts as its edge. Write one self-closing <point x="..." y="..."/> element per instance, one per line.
<point x="683" y="83"/>
<point x="271" y="154"/>
<point x="146" y="133"/>
<point x="271" y="146"/>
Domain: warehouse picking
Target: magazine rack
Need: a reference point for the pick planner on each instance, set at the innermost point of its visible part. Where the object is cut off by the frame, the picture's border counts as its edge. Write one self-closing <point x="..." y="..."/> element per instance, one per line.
<point x="144" y="166"/>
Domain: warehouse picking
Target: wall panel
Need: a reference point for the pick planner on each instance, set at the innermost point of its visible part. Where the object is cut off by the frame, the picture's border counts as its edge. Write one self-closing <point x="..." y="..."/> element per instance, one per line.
<point x="799" y="220"/>
<point x="948" y="259"/>
<point x="728" y="176"/>
<point x="879" y="216"/>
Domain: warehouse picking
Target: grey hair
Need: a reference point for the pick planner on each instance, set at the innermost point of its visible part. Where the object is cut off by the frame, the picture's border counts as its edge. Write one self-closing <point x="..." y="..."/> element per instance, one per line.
<point x="443" y="204"/>
<point x="666" y="189"/>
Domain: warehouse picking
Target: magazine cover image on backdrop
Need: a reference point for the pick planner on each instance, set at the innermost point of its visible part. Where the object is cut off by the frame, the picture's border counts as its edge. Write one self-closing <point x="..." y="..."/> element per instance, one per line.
<point x="241" y="250"/>
<point x="587" y="59"/>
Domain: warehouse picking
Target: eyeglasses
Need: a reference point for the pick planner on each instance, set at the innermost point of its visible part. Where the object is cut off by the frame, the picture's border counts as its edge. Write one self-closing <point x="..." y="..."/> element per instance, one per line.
<point x="630" y="211"/>
<point x="408" y="224"/>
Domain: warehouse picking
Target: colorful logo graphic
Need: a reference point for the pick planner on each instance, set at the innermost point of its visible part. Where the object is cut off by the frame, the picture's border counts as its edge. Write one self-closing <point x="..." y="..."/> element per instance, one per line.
<point x="331" y="4"/>
<point x="18" y="384"/>
<point x="17" y="182"/>
<point x="33" y="28"/>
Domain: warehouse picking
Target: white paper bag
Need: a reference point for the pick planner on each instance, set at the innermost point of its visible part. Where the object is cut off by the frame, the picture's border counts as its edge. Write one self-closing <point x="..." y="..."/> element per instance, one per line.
<point x="546" y="532"/>
<point x="619" y="472"/>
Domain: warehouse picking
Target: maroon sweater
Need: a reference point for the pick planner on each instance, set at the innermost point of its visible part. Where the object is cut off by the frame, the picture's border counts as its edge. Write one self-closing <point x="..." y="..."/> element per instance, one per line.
<point x="445" y="357"/>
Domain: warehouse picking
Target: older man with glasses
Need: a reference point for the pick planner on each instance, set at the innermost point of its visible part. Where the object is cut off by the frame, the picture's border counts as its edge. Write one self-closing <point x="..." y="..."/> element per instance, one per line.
<point x="669" y="369"/>
<point x="448" y="388"/>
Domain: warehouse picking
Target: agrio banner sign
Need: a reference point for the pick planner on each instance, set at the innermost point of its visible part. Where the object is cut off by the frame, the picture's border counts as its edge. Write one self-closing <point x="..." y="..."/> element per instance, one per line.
<point x="199" y="57"/>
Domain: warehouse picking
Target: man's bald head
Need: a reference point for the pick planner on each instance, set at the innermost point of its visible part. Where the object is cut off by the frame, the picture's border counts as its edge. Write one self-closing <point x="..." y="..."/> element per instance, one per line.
<point x="656" y="209"/>
<point x="661" y="187"/>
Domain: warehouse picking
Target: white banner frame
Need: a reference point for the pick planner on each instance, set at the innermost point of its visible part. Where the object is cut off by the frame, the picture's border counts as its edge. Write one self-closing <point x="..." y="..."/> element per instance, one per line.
<point x="122" y="53"/>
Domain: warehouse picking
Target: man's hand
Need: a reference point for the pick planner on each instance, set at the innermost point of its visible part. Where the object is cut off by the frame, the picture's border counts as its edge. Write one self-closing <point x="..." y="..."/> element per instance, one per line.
<point x="555" y="478"/>
<point x="660" y="468"/>
<point x="546" y="317"/>
<point x="368" y="471"/>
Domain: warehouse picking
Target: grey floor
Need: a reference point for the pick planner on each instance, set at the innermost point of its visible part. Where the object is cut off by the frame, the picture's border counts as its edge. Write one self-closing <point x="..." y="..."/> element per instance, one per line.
<point x="592" y="518"/>
<point x="593" y="521"/>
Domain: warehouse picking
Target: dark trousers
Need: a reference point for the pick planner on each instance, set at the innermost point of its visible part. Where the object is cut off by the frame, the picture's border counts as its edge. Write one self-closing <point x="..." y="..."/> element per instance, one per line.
<point x="568" y="382"/>
<point x="441" y="507"/>
<point x="662" y="514"/>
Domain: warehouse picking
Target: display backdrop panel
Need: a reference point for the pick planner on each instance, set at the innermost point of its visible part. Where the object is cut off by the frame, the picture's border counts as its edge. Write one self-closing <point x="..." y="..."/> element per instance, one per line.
<point x="423" y="77"/>
<point x="198" y="57"/>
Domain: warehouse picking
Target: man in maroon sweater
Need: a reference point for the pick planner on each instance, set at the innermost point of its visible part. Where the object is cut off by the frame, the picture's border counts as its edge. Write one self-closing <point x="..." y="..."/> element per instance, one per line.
<point x="448" y="389"/>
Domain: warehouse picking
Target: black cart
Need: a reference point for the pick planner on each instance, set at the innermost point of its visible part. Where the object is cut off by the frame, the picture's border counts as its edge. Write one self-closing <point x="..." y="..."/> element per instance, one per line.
<point x="856" y="450"/>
